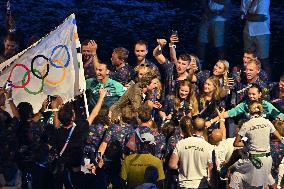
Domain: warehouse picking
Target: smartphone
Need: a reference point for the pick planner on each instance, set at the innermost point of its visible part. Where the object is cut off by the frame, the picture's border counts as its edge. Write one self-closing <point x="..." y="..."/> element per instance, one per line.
<point x="174" y="32"/>
<point x="131" y="83"/>
<point x="8" y="85"/>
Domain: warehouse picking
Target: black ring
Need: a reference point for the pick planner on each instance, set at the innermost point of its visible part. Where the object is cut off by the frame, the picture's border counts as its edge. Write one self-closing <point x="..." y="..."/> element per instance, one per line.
<point x="32" y="67"/>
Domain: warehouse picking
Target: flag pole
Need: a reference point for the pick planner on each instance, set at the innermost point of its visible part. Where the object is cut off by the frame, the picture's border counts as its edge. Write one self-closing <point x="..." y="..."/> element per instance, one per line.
<point x="82" y="81"/>
<point x="86" y="104"/>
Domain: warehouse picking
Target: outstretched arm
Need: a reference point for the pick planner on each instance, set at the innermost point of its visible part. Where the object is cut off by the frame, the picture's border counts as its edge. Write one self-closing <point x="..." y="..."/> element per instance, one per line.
<point x="277" y="135"/>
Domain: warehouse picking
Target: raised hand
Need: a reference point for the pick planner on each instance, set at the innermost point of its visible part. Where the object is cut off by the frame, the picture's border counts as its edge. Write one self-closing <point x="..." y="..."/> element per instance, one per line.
<point x="93" y="47"/>
<point x="174" y="39"/>
<point x="102" y="92"/>
<point x="162" y="42"/>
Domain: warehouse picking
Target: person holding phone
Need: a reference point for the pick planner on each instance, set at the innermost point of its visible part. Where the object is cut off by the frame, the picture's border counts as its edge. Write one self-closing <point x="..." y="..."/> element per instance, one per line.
<point x="175" y="71"/>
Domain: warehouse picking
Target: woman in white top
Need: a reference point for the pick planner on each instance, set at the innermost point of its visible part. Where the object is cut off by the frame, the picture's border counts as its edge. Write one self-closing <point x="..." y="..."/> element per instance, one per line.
<point x="254" y="171"/>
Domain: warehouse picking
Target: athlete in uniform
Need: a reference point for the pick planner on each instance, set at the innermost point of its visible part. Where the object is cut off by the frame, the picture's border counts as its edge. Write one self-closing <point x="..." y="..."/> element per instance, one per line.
<point x="255" y="169"/>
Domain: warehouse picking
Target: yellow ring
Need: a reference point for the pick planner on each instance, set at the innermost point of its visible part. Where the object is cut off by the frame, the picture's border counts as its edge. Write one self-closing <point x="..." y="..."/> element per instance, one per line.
<point x="62" y="77"/>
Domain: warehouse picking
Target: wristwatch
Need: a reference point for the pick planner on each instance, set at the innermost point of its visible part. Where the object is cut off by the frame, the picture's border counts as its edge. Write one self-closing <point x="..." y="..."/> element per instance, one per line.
<point x="172" y="46"/>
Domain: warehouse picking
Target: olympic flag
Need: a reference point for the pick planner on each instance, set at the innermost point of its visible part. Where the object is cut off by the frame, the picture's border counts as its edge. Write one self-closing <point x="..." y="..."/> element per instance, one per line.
<point x="51" y="66"/>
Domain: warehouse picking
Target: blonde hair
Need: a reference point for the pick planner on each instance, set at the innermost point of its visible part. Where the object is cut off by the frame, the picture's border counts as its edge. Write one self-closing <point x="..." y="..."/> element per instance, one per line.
<point x="226" y="70"/>
<point x="255" y="108"/>
<point x="159" y="87"/>
<point x="145" y="67"/>
<point x="216" y="93"/>
<point x="190" y="101"/>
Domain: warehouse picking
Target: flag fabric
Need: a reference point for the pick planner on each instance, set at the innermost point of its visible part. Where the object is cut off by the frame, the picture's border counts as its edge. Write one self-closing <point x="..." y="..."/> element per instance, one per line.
<point x="51" y="66"/>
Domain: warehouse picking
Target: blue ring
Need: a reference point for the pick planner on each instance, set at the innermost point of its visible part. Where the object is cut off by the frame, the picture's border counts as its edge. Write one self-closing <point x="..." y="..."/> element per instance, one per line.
<point x="68" y="55"/>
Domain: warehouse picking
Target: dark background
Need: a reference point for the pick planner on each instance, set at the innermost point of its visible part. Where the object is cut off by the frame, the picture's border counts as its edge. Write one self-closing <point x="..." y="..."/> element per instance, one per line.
<point x="114" y="23"/>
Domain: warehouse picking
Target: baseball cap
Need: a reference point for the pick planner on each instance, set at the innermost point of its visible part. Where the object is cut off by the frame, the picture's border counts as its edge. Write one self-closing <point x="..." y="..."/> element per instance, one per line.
<point x="148" y="137"/>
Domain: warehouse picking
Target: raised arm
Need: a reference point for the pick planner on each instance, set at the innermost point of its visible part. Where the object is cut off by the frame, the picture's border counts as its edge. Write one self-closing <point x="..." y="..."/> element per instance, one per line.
<point x="98" y="106"/>
<point x="93" y="47"/>
<point x="157" y="52"/>
<point x="38" y="115"/>
<point x="173" y="54"/>
<point x="221" y="115"/>
<point x="8" y="94"/>
<point x="55" y="106"/>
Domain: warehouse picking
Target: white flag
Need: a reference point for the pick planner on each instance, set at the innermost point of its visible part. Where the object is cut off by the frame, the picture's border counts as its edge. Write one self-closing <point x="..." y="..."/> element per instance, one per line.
<point x="51" y="66"/>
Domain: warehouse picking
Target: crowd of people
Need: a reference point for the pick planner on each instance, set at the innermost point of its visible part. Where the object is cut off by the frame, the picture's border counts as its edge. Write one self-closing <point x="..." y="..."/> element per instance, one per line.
<point x="164" y="124"/>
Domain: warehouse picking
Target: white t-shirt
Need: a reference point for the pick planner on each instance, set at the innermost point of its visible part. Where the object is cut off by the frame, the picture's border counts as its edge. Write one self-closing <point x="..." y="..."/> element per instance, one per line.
<point x="257" y="7"/>
<point x="223" y="151"/>
<point x="231" y="148"/>
<point x="194" y="155"/>
<point x="258" y="131"/>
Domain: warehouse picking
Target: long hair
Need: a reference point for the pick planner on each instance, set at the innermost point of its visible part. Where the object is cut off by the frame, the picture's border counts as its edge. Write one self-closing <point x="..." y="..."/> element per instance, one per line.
<point x="185" y="125"/>
<point x="146" y="79"/>
<point x="159" y="88"/>
<point x="190" y="102"/>
<point x="226" y="71"/>
<point x="216" y="93"/>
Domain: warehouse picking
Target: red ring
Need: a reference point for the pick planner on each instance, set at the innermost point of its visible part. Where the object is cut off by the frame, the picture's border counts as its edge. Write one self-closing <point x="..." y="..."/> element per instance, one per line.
<point x="29" y="76"/>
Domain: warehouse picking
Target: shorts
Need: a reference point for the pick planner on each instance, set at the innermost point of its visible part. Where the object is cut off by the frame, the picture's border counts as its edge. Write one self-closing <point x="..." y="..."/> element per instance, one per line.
<point x="259" y="44"/>
<point x="212" y="31"/>
<point x="247" y="174"/>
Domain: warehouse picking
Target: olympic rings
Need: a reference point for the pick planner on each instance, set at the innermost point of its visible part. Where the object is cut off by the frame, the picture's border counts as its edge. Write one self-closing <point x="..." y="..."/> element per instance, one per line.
<point x="62" y="77"/>
<point x="33" y="70"/>
<point x="68" y="56"/>
<point x="31" y="92"/>
<point x="24" y="84"/>
<point x="44" y="73"/>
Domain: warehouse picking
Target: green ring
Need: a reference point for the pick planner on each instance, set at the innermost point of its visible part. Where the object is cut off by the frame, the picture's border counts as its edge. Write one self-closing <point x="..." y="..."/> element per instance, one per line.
<point x="26" y="89"/>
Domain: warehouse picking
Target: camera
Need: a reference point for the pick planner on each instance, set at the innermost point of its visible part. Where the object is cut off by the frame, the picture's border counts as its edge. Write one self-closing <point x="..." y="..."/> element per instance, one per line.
<point x="174" y="32"/>
<point x="8" y="85"/>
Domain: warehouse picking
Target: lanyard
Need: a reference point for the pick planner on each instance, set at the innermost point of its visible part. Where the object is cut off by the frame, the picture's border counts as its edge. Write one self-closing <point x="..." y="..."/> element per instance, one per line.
<point x="68" y="139"/>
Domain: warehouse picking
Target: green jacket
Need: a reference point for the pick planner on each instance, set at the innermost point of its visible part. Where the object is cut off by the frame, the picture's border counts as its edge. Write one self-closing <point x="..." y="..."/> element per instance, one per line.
<point x="268" y="110"/>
